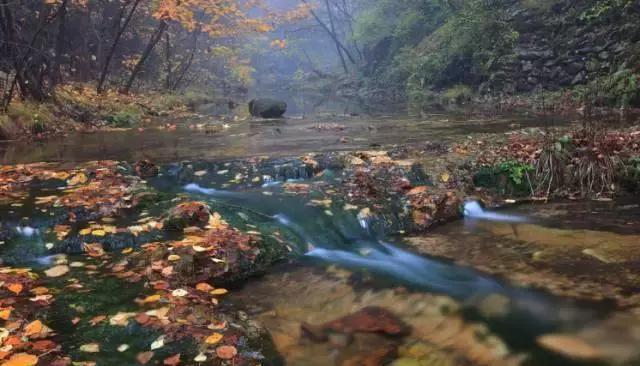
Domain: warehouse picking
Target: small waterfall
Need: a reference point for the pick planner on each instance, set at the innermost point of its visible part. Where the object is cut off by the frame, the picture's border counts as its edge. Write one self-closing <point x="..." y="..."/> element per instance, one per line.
<point x="412" y="269"/>
<point x="27" y="231"/>
<point x="473" y="210"/>
<point x="196" y="188"/>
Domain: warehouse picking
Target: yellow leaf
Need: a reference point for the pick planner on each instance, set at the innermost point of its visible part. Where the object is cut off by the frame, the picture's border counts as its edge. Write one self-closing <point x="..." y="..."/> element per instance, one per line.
<point x="79" y="178"/>
<point x="219" y="291"/>
<point x="213" y="338"/>
<point x="21" y="359"/>
<point x="98" y="233"/>
<point x="127" y="250"/>
<point x="173" y="258"/>
<point x="150" y="299"/>
<point x="445" y="177"/>
<point x="86" y="231"/>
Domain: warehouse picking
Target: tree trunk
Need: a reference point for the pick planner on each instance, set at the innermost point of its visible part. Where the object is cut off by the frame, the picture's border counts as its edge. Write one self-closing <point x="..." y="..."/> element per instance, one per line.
<point x="107" y="62"/>
<point x="333" y="36"/>
<point x="167" y="55"/>
<point x="185" y="66"/>
<point x="333" y="30"/>
<point x="62" y="25"/>
<point x="153" y="41"/>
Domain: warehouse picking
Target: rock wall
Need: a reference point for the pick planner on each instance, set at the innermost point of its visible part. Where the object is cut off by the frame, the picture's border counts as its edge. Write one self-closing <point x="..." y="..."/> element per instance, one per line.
<point x="558" y="46"/>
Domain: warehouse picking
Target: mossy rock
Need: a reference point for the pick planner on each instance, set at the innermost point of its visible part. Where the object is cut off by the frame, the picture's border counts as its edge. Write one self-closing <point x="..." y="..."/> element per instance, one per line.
<point x="187" y="214"/>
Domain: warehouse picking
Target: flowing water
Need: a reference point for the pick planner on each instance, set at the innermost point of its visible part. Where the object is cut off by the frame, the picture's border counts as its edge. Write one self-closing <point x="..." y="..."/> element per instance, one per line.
<point x="340" y="262"/>
<point x="210" y="139"/>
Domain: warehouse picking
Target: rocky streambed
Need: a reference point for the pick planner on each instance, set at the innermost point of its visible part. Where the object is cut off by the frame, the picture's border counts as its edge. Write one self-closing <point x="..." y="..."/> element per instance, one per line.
<point x="367" y="256"/>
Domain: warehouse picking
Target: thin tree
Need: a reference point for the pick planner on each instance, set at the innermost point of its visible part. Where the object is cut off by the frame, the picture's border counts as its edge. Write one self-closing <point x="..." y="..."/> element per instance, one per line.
<point x="122" y="27"/>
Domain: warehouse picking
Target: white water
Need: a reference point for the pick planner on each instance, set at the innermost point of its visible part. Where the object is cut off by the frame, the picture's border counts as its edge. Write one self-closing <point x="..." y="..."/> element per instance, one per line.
<point x="473" y="210"/>
<point x="27" y="231"/>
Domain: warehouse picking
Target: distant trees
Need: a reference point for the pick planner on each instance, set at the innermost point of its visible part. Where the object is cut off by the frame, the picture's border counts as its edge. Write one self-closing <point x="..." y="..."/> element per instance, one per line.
<point x="115" y="42"/>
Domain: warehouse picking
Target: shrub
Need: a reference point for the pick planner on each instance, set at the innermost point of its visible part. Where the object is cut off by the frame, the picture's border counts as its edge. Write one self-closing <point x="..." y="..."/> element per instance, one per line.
<point x="123" y="119"/>
<point x="458" y="94"/>
<point x="509" y="177"/>
<point x="630" y="177"/>
<point x="33" y="117"/>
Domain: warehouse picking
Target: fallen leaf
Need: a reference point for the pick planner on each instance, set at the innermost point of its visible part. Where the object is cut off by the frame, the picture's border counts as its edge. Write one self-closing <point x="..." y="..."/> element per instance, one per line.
<point x="226" y="352"/>
<point x="57" y="271"/>
<point x="16" y="288"/>
<point x="201" y="357"/>
<point x="5" y="313"/>
<point x="204" y="287"/>
<point x="121" y="319"/>
<point x="37" y="329"/>
<point x="173" y="360"/>
<point x="21" y="359"/>
<point x="179" y="292"/>
<point x="569" y="346"/>
<point x="219" y="291"/>
<point x="214" y="338"/>
<point x="144" y="357"/>
<point x="90" y="348"/>
<point x="123" y="347"/>
<point x="97" y="320"/>
<point x="98" y="233"/>
<point x="93" y="249"/>
<point x="152" y="298"/>
<point x="158" y="343"/>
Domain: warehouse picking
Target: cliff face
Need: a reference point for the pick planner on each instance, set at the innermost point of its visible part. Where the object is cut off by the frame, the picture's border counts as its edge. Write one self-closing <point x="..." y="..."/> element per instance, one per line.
<point x="567" y="43"/>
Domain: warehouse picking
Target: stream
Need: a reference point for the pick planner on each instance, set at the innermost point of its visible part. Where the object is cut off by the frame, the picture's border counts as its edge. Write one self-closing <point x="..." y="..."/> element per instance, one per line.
<point x="339" y="262"/>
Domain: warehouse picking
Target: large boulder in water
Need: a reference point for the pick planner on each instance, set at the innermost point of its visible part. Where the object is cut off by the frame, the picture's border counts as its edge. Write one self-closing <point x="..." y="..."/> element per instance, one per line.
<point x="267" y="108"/>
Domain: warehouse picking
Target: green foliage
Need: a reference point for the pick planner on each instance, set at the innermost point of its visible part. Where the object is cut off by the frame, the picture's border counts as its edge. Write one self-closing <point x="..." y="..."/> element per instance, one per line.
<point x="630" y="177"/>
<point x="389" y="31"/>
<point x="543" y="5"/>
<point x="603" y="8"/>
<point x="7" y="128"/>
<point x="29" y="116"/>
<point x="466" y="46"/>
<point x="123" y="119"/>
<point x="620" y="89"/>
<point x="458" y="94"/>
<point x="516" y="171"/>
<point x="509" y="177"/>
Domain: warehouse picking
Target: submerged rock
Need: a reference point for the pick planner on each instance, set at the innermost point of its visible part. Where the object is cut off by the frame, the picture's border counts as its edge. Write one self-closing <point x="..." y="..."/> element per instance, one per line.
<point x="267" y="108"/>
<point x="146" y="169"/>
<point x="371" y="319"/>
<point x="187" y="214"/>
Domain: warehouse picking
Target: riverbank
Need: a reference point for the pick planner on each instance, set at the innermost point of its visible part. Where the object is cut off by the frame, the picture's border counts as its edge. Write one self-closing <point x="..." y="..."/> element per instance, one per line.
<point x="78" y="108"/>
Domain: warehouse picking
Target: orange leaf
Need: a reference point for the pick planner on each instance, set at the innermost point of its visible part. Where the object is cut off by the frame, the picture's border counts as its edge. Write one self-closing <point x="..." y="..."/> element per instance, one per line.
<point x="204" y="287"/>
<point x="226" y="352"/>
<point x="173" y="360"/>
<point x="16" y="288"/>
<point x="36" y="328"/>
<point x="21" y="359"/>
<point x="5" y="313"/>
